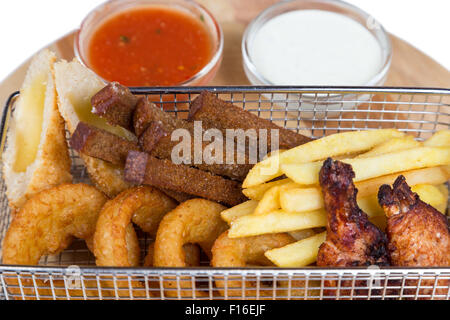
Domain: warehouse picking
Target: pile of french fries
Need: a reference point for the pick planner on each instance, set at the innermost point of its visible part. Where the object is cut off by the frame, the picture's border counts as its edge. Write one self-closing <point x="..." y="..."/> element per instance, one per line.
<point x="294" y="203"/>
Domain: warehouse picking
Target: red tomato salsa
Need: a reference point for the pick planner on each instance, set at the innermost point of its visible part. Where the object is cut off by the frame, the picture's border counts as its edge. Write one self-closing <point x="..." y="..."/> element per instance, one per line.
<point x="151" y="46"/>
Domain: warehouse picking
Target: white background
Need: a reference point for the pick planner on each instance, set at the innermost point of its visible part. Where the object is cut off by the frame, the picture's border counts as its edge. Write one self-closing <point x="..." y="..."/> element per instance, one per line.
<point x="28" y="25"/>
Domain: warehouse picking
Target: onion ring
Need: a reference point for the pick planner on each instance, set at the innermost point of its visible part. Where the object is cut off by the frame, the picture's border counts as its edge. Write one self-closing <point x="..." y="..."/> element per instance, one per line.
<point x="47" y="224"/>
<point x="194" y="221"/>
<point x="115" y="241"/>
<point x="191" y="251"/>
<point x="49" y="221"/>
<point x="245" y="252"/>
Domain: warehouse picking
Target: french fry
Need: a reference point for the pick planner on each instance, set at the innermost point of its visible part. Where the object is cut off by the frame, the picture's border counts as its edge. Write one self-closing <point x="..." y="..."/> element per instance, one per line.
<point x="429" y="194"/>
<point x="240" y="210"/>
<point x="308" y="199"/>
<point x="257" y="192"/>
<point x="275" y="222"/>
<point x="439" y="139"/>
<point x="271" y="199"/>
<point x="434" y="176"/>
<point x="367" y="168"/>
<point x="298" y="254"/>
<point x="329" y="146"/>
<point x="301" y="199"/>
<point x="443" y="206"/>
<point x="392" y="145"/>
<point x="304" y="252"/>
<point x="302" y="234"/>
<point x="284" y="221"/>
<point x="273" y="153"/>
<point x="370" y="206"/>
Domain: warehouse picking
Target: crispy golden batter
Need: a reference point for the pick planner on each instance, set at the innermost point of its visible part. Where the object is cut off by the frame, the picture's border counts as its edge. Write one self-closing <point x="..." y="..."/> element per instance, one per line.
<point x="51" y="165"/>
<point x="195" y="221"/>
<point x="115" y="241"/>
<point x="192" y="252"/>
<point x="418" y="234"/>
<point x="47" y="224"/>
<point x="249" y="251"/>
<point x="49" y="221"/>
<point x="107" y="177"/>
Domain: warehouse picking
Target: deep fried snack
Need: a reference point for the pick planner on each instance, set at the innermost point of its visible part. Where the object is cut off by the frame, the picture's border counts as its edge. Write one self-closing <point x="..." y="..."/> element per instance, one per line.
<point x="141" y="168"/>
<point x="115" y="241"/>
<point x="418" y="234"/>
<point x="242" y="252"/>
<point x="113" y="237"/>
<point x="101" y="144"/>
<point x="155" y="128"/>
<point x="192" y="254"/>
<point x="352" y="240"/>
<point x="179" y="196"/>
<point x="106" y="176"/>
<point x="191" y="251"/>
<point x="47" y="224"/>
<point x="224" y="115"/>
<point x="116" y="104"/>
<point x="75" y="85"/>
<point x="36" y="157"/>
<point x="195" y="221"/>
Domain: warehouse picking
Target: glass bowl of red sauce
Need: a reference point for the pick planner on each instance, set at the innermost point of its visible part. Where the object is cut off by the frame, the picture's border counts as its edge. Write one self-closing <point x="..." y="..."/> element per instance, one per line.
<point x="151" y="43"/>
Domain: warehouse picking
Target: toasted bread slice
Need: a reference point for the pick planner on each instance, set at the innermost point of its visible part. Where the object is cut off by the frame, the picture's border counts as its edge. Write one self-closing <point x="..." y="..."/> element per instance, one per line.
<point x="76" y="85"/>
<point x="36" y="156"/>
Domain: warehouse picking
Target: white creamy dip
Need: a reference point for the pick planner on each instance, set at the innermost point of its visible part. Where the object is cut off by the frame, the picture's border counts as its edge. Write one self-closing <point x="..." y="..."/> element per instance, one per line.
<point x="315" y="47"/>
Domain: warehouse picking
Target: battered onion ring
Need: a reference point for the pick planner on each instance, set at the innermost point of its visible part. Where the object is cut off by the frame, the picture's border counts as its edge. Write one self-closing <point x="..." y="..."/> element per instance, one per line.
<point x="244" y="252"/>
<point x="194" y="221"/>
<point x="49" y="221"/>
<point x="115" y="241"/>
<point x="191" y="251"/>
<point x="47" y="224"/>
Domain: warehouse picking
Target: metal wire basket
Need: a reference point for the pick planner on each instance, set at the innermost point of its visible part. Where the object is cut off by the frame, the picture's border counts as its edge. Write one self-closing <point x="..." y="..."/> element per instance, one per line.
<point x="313" y="111"/>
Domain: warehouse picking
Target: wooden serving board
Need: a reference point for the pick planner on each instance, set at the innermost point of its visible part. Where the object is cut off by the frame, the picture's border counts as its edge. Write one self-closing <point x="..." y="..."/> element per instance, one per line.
<point x="410" y="67"/>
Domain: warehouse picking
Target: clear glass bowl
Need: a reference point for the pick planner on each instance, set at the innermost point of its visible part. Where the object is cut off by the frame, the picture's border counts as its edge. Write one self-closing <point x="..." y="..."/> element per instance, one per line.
<point x="328" y="5"/>
<point x="111" y="8"/>
<point x="318" y="106"/>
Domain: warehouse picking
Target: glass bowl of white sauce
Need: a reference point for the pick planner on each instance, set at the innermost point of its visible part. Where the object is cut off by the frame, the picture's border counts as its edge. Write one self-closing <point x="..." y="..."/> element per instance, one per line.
<point x="316" y="43"/>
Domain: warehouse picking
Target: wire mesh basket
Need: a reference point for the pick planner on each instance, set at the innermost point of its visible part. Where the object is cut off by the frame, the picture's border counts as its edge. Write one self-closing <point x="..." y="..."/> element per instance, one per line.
<point x="312" y="111"/>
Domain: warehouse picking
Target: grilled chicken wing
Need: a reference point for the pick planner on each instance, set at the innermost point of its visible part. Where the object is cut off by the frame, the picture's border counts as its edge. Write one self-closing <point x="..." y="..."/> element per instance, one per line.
<point x="352" y="240"/>
<point x="418" y="234"/>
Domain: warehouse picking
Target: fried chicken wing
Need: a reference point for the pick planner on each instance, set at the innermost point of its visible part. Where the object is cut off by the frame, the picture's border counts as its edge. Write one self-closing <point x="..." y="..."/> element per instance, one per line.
<point x="352" y="240"/>
<point x="418" y="234"/>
